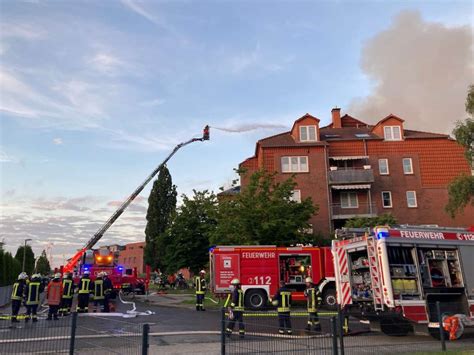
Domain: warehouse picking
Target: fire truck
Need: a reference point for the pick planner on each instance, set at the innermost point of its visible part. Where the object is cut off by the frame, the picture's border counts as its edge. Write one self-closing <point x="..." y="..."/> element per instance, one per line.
<point x="261" y="268"/>
<point x="103" y="260"/>
<point x="394" y="277"/>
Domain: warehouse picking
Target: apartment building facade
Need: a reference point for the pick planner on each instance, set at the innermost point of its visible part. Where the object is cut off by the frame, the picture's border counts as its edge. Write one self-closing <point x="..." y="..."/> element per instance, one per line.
<point x="352" y="169"/>
<point x="132" y="256"/>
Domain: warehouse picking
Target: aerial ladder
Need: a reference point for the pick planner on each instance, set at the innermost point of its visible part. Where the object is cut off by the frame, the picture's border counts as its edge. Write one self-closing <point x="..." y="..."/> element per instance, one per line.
<point x="101" y="231"/>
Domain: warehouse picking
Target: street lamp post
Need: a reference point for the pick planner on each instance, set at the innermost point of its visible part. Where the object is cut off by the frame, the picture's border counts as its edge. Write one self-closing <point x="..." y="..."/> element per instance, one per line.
<point x="24" y="254"/>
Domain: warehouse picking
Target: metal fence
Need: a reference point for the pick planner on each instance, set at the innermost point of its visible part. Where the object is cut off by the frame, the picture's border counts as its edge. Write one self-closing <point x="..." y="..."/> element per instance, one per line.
<point x="339" y="335"/>
<point x="5" y="294"/>
<point x="74" y="335"/>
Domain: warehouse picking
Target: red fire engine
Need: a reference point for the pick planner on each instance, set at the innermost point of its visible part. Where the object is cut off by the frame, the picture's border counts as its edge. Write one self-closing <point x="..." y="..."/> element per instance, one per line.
<point x="394" y="277"/>
<point x="102" y="260"/>
<point x="261" y="268"/>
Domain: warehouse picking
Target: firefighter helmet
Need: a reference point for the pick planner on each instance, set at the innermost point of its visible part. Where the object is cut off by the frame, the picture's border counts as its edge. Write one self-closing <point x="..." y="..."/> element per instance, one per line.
<point x="202" y="272"/>
<point x="23" y="276"/>
<point x="36" y="276"/>
<point x="309" y="280"/>
<point x="235" y="282"/>
<point x="87" y="273"/>
<point x="275" y="302"/>
<point x="57" y="275"/>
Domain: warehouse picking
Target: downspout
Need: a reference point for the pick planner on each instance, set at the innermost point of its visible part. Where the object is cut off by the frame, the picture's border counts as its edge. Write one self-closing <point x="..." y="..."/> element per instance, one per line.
<point x="326" y="159"/>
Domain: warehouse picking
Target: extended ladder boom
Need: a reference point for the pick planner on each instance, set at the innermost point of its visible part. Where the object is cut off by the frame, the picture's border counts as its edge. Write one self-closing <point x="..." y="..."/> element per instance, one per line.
<point x="98" y="235"/>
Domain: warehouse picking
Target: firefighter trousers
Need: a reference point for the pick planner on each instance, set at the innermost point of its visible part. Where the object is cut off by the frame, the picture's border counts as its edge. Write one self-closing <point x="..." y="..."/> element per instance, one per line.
<point x="284" y="323"/>
<point x="238" y="317"/>
<point x="199" y="302"/>
<point x="83" y="303"/>
<point x="313" y="322"/>
<point x="31" y="312"/>
<point x="53" y="311"/>
<point x="65" y="307"/>
<point x="16" y="304"/>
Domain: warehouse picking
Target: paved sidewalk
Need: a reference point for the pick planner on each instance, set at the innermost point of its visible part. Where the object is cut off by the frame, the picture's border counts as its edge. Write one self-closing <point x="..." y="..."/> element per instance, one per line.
<point x="166" y="300"/>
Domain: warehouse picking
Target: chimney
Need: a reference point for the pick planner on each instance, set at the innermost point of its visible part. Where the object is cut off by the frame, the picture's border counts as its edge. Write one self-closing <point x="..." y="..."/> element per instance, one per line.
<point x="336" y="117"/>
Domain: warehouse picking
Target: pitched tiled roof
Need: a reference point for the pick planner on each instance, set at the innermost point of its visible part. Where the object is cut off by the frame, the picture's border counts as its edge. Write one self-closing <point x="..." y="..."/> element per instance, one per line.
<point x="285" y="140"/>
<point x="420" y="134"/>
<point x="346" y="133"/>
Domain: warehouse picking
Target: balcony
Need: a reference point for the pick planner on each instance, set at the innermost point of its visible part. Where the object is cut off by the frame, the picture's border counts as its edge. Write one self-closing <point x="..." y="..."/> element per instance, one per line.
<point x="351" y="175"/>
<point x="367" y="210"/>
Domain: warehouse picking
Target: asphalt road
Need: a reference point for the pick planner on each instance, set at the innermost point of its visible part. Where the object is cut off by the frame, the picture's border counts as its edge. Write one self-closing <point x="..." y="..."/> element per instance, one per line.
<point x="183" y="330"/>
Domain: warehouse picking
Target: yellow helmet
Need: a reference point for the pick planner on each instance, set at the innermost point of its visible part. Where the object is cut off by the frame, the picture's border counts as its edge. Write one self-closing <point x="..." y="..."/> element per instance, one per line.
<point x="235" y="282"/>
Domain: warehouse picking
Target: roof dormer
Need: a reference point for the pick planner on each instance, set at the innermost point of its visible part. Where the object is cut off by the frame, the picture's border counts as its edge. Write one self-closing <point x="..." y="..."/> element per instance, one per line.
<point x="306" y="129"/>
<point x="390" y="128"/>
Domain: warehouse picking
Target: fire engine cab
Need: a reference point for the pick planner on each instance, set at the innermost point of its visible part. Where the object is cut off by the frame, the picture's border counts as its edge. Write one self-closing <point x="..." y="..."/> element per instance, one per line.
<point x="261" y="268"/>
<point x="394" y="277"/>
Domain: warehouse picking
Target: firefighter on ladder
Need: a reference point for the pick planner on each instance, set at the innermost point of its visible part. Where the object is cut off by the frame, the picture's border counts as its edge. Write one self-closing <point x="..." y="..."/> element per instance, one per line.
<point x="66" y="299"/>
<point x="18" y="293"/>
<point x="236" y="309"/>
<point x="32" y="297"/>
<point x="85" y="287"/>
<point x="313" y="300"/>
<point x="282" y="299"/>
<point x="53" y="295"/>
<point x="200" y="284"/>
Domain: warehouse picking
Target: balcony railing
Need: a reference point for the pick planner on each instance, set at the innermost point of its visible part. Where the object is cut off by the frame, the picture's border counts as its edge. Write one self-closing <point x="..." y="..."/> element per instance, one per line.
<point x="351" y="176"/>
<point x="363" y="210"/>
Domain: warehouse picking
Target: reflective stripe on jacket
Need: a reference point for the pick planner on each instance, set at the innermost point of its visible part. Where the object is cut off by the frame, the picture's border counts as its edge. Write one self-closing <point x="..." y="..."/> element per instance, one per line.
<point x="54" y="293"/>
<point x="284" y="301"/>
<point x="33" y="294"/>
<point x="312" y="295"/>
<point x="67" y="288"/>
<point x="98" y="289"/>
<point x="85" y="285"/>
<point x="18" y="289"/>
<point x="200" y="285"/>
<point x="237" y="303"/>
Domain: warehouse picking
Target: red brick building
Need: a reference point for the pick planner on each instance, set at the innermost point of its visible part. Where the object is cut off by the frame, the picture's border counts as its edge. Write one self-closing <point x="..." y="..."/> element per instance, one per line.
<point x="132" y="256"/>
<point x="352" y="169"/>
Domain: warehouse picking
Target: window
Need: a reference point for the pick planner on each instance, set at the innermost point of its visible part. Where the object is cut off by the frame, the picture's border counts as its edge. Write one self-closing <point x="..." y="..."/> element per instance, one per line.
<point x="383" y="167"/>
<point x="392" y="133"/>
<point x="407" y="166"/>
<point x="294" y="164"/>
<point x="386" y="199"/>
<point x="308" y="134"/>
<point x="296" y="196"/>
<point x="349" y="200"/>
<point x="411" y="199"/>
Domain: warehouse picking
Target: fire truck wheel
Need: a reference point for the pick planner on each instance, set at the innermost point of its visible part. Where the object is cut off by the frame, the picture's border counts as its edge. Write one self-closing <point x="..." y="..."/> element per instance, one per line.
<point x="329" y="298"/>
<point x="255" y="299"/>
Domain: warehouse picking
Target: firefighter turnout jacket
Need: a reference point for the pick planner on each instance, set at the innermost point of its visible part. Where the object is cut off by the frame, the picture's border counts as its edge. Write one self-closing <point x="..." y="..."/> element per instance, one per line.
<point x="313" y="299"/>
<point x="200" y="283"/>
<point x="68" y="287"/>
<point x="99" y="290"/>
<point x="54" y="292"/>
<point x="283" y="297"/>
<point x="85" y="285"/>
<point x="237" y="300"/>
<point x="33" y="293"/>
<point x="19" y="289"/>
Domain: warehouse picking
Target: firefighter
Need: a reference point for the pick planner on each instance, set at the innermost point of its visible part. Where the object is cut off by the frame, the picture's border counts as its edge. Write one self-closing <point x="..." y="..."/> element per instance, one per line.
<point x="236" y="309"/>
<point x="98" y="290"/>
<point x="18" y="292"/>
<point x="54" y="294"/>
<point x="108" y="291"/>
<point x="85" y="287"/>
<point x="313" y="300"/>
<point x="33" y="291"/>
<point x="66" y="300"/>
<point x="200" y="284"/>
<point x="282" y="299"/>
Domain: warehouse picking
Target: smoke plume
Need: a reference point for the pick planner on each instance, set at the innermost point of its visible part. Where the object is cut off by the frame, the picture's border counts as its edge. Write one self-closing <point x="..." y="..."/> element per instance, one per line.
<point x="248" y="127"/>
<point x="421" y="72"/>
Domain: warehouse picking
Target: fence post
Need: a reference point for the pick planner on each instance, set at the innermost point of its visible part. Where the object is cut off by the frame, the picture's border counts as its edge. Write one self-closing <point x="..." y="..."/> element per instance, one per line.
<point x="341" y="319"/>
<point x="73" y="333"/>
<point x="145" y="344"/>
<point x="222" y="331"/>
<point x="334" y="335"/>
<point x="441" y="330"/>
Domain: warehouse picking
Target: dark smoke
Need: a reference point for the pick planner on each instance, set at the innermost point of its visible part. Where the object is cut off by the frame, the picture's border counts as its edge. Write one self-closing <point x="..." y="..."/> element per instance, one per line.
<point x="421" y="72"/>
<point x="248" y="127"/>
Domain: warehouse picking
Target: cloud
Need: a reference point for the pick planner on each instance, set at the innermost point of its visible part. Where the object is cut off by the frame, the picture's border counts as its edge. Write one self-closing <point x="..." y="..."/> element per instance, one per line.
<point x="153" y="103"/>
<point x="21" y="31"/>
<point x="57" y="141"/>
<point x="6" y="158"/>
<point x="138" y="9"/>
<point x="106" y="63"/>
<point x="421" y="71"/>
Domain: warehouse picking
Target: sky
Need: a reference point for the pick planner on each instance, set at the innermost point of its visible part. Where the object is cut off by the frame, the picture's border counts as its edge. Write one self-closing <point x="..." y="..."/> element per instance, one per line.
<point x="95" y="94"/>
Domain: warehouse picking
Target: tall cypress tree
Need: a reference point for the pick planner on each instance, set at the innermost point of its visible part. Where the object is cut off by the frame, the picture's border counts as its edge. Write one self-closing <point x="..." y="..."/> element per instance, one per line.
<point x="161" y="208"/>
<point x="29" y="258"/>
<point x="42" y="265"/>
